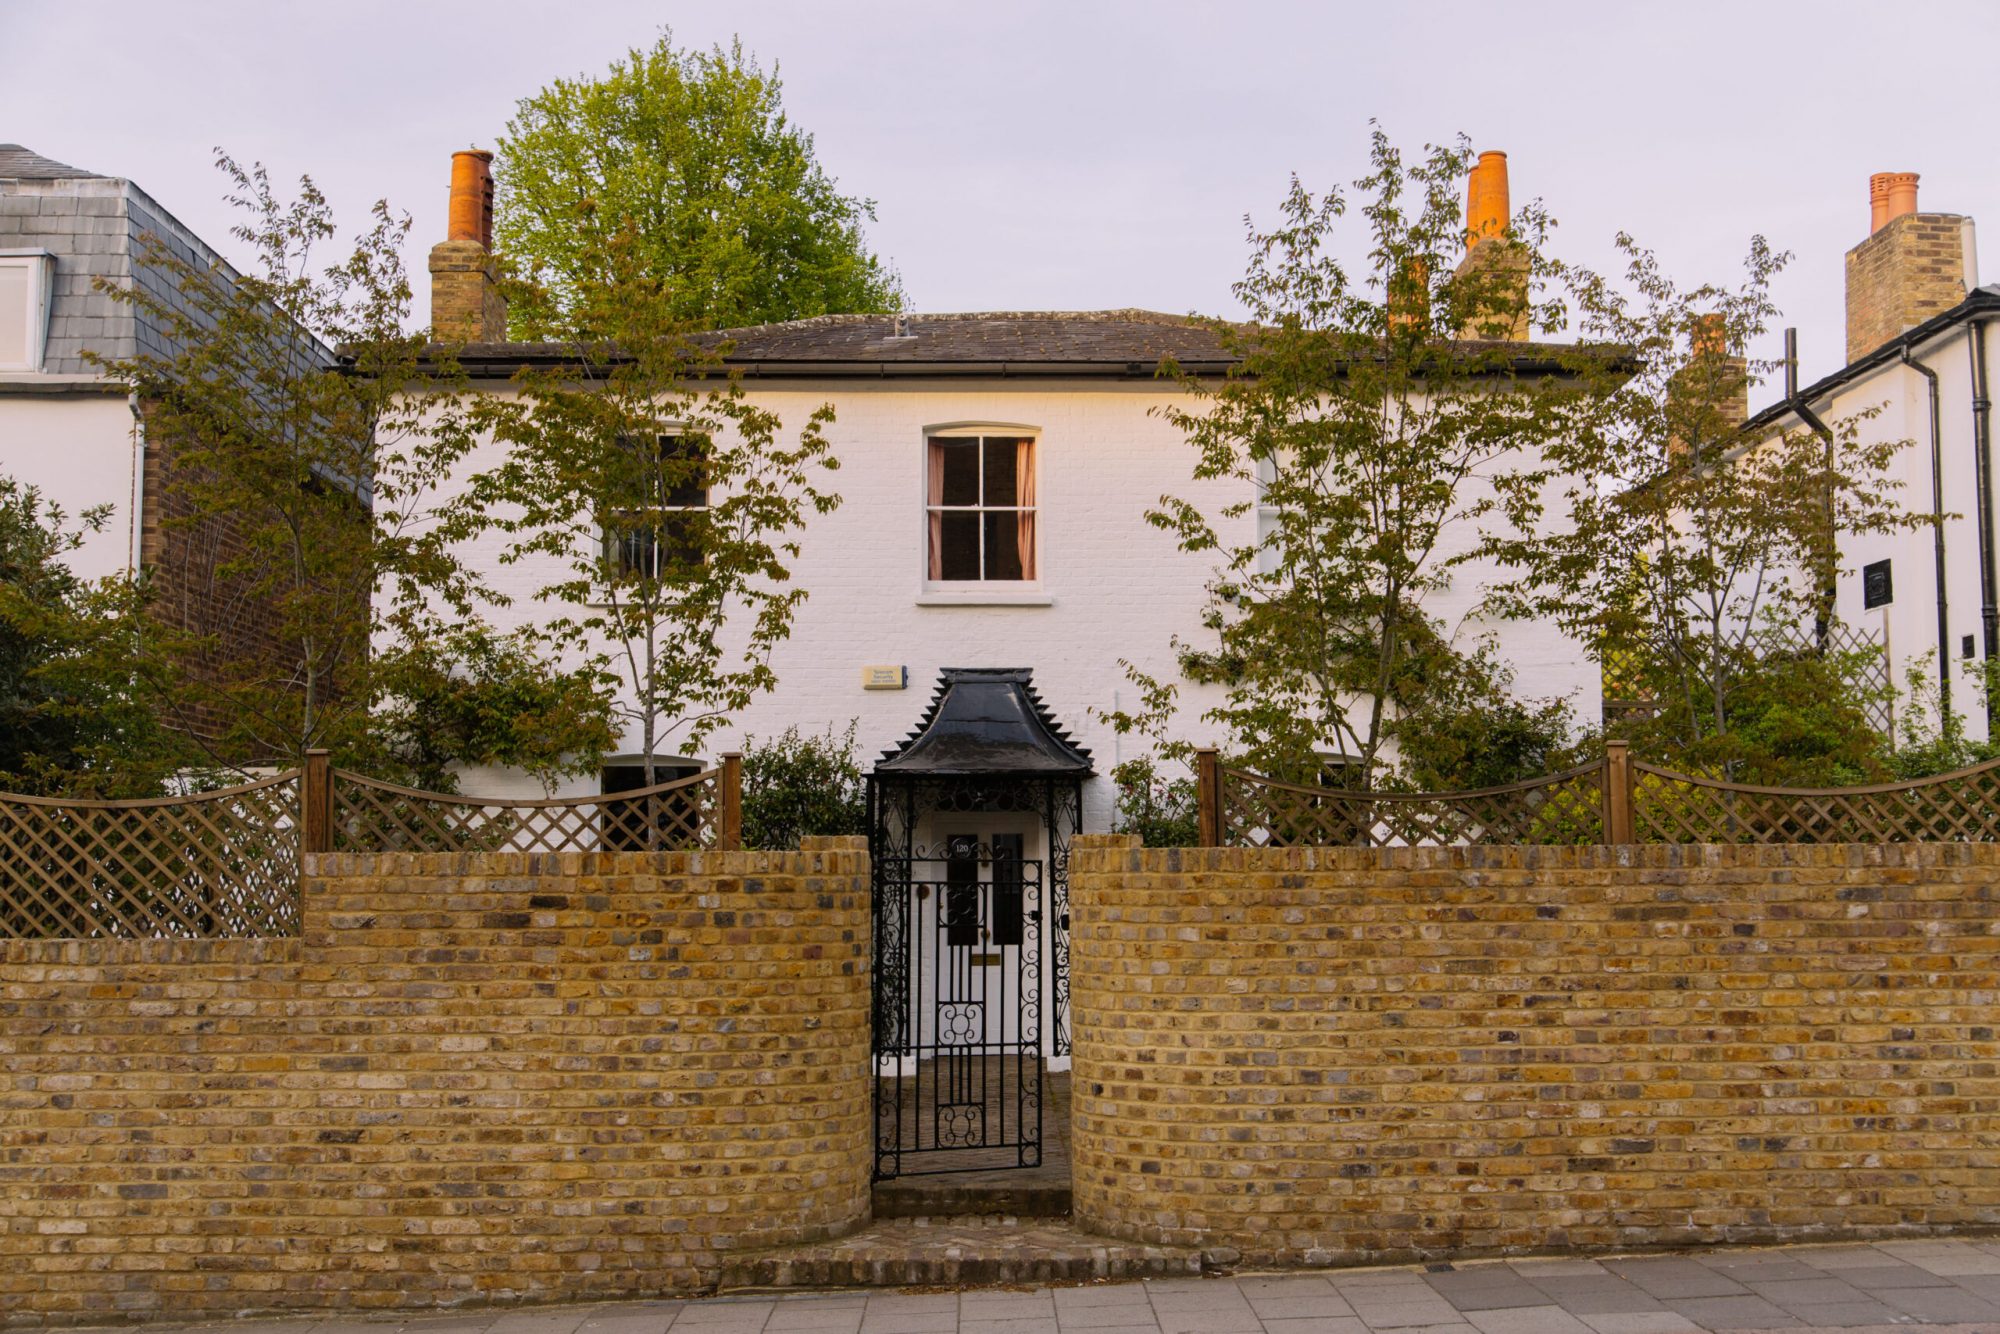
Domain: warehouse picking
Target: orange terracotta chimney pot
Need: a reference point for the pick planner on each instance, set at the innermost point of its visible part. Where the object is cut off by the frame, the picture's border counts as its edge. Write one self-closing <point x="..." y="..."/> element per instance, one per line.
<point x="1878" y="201"/>
<point x="1891" y="194"/>
<point x="1710" y="336"/>
<point x="1487" y="211"/>
<point x="472" y="197"/>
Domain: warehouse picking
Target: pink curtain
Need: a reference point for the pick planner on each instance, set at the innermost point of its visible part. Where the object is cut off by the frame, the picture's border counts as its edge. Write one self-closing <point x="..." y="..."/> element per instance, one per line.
<point x="1024" y="493"/>
<point x="933" y="497"/>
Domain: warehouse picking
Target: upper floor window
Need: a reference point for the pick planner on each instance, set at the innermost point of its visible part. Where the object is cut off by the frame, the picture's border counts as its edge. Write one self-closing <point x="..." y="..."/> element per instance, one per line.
<point x="657" y="534"/>
<point x="980" y="504"/>
<point x="24" y="308"/>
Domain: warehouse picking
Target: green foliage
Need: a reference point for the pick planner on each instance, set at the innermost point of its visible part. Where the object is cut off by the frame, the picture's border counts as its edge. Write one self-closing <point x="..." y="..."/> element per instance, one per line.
<point x="1695" y="562"/>
<point x="666" y="508"/>
<point x="1793" y="718"/>
<point x="1163" y="810"/>
<point x="1473" y="732"/>
<point x="473" y="697"/>
<point x="796" y="786"/>
<point x="73" y="720"/>
<point x="315" y="475"/>
<point x="1931" y="739"/>
<point x="692" y="150"/>
<point x="1373" y="443"/>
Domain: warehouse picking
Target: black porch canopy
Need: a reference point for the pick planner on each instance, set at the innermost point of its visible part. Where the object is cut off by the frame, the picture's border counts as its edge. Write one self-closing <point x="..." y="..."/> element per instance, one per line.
<point x="986" y="722"/>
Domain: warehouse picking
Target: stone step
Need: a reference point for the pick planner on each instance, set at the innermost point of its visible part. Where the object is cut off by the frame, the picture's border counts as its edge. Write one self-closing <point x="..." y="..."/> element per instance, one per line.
<point x="922" y="1252"/>
<point x="1025" y="1195"/>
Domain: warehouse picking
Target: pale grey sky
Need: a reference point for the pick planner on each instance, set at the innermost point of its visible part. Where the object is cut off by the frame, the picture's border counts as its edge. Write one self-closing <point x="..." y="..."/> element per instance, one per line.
<point x="1079" y="154"/>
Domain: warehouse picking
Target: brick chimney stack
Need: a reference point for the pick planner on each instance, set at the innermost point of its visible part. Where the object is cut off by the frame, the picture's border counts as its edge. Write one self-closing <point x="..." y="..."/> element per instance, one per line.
<point x="466" y="304"/>
<point x="1912" y="266"/>
<point x="1488" y="213"/>
<point x="1711" y="393"/>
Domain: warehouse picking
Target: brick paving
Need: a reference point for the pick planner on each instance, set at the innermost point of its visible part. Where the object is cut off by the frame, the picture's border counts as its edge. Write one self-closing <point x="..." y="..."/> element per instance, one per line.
<point x="1942" y="1287"/>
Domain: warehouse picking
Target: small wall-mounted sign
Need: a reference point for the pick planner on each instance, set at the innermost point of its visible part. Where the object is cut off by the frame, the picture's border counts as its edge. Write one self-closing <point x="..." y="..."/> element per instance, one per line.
<point x="1877" y="590"/>
<point x="884" y="678"/>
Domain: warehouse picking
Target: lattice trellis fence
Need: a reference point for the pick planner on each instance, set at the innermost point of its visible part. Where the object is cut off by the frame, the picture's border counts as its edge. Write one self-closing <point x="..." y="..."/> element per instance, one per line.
<point x="1566" y="807"/>
<point x="222" y="863"/>
<point x="1615" y="800"/>
<point x="227" y="863"/>
<point x="698" y="811"/>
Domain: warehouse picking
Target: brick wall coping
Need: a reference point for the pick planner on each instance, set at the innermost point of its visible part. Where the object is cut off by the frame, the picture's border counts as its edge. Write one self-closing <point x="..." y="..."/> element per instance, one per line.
<point x="1122" y="852"/>
<point x="844" y="855"/>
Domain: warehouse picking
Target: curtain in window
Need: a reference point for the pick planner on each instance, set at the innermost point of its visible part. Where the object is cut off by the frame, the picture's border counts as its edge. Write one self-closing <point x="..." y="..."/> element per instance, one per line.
<point x="933" y="497"/>
<point x="1024" y="496"/>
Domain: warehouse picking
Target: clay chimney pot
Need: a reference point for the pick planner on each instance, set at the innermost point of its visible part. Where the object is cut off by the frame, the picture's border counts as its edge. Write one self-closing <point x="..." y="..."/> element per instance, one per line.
<point x="1878" y="201"/>
<point x="1891" y="194"/>
<point x="1487" y="210"/>
<point x="1902" y="194"/>
<point x="472" y="197"/>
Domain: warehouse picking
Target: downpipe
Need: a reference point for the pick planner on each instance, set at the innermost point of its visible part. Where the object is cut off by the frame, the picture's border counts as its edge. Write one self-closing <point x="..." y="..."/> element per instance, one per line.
<point x="1937" y="535"/>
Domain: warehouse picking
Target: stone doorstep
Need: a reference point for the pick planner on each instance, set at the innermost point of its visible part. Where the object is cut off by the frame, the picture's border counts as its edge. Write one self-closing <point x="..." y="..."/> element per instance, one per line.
<point x="943" y="1197"/>
<point x="975" y="1250"/>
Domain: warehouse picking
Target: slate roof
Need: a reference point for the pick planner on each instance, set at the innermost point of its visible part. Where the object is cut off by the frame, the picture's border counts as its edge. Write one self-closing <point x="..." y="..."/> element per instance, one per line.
<point x="1117" y="343"/>
<point x="21" y="164"/>
<point x="986" y="721"/>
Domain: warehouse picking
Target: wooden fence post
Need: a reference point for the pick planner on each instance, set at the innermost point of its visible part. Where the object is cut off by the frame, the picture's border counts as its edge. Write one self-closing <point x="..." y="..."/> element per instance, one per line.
<point x="1617" y="793"/>
<point x="316" y="803"/>
<point x="729" y="837"/>
<point x="1208" y="790"/>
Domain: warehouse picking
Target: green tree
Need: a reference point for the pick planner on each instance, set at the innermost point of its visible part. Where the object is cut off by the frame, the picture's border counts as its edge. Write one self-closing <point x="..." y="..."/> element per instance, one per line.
<point x="734" y="214"/>
<point x="1375" y="424"/>
<point x="307" y="438"/>
<point x="74" y="719"/>
<point x="660" y="509"/>
<point x="1695" y="561"/>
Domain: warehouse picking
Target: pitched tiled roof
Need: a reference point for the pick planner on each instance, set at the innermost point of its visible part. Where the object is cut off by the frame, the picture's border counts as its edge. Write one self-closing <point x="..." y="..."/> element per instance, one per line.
<point x="19" y="164"/>
<point x="1068" y="336"/>
<point x="990" y="343"/>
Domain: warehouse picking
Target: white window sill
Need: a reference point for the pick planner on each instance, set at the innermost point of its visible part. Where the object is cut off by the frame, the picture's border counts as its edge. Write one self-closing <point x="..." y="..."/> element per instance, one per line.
<point x="999" y="597"/>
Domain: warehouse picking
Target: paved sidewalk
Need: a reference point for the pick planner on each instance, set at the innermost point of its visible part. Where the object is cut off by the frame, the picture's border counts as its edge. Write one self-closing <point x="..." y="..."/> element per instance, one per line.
<point x="1944" y="1287"/>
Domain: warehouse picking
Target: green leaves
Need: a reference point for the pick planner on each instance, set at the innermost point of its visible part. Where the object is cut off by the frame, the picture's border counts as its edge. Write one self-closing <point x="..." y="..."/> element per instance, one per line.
<point x="1695" y="561"/>
<point x="797" y="785"/>
<point x="737" y="222"/>
<point x="1380" y="443"/>
<point x="74" y="718"/>
<point x="308" y="558"/>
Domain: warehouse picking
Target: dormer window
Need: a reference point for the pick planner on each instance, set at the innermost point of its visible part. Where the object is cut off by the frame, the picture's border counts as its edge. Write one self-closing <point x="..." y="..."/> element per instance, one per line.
<point x="24" y="308"/>
<point x="980" y="508"/>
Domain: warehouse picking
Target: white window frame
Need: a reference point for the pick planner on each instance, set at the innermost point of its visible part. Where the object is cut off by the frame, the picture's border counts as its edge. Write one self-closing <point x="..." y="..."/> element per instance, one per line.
<point x="40" y="266"/>
<point x="981" y="592"/>
<point x="612" y="538"/>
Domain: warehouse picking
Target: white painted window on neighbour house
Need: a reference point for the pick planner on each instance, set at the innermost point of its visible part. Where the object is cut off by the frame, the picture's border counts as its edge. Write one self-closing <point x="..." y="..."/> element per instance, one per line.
<point x="24" y="308"/>
<point x="981" y="510"/>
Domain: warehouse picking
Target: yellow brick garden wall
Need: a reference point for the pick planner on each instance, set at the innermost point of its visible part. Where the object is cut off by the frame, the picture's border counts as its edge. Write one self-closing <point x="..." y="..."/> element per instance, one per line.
<point x="1326" y="1056"/>
<point x="480" y="1077"/>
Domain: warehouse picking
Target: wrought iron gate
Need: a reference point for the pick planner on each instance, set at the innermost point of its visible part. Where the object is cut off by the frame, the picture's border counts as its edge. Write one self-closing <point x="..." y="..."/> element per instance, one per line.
<point x="959" y="935"/>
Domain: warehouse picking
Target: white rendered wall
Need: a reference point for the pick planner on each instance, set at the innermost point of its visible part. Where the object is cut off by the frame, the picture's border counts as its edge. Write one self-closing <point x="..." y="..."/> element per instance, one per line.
<point x="1112" y="586"/>
<point x="78" y="449"/>
<point x="1910" y="620"/>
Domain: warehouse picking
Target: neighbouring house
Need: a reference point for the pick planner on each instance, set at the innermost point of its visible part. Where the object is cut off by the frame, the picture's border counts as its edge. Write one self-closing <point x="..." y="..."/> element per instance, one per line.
<point x="1916" y="346"/>
<point x="80" y="436"/>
